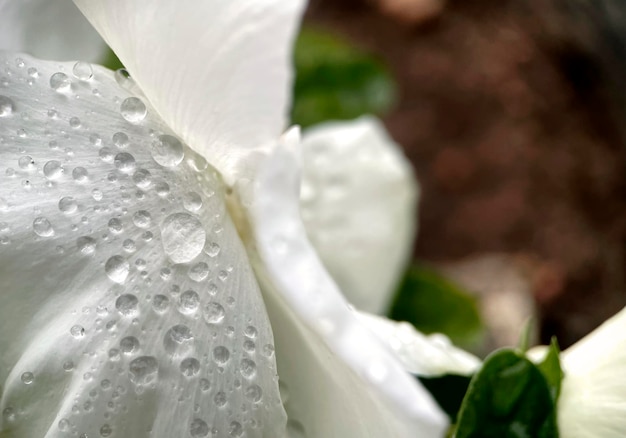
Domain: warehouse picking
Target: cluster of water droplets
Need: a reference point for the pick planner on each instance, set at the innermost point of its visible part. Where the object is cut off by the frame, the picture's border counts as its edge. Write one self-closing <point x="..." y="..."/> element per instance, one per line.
<point x="124" y="236"/>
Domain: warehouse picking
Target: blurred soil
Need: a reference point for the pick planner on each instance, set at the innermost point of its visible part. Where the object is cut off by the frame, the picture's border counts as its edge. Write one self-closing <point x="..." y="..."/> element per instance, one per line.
<point x="518" y="145"/>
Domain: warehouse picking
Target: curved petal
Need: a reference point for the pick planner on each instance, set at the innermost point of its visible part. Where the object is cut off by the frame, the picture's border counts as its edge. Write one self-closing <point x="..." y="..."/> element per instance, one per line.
<point x="427" y="356"/>
<point x="593" y="393"/>
<point x="128" y="307"/>
<point x="49" y="30"/>
<point x="218" y="72"/>
<point x="342" y="382"/>
<point x="358" y="200"/>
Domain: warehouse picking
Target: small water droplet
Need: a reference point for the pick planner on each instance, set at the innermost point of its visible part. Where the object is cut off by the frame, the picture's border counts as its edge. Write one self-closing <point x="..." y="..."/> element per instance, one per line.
<point x="75" y="123"/>
<point x="53" y="169"/>
<point x="86" y="244"/>
<point x="82" y="71"/>
<point x="199" y="271"/>
<point x="60" y="82"/>
<point x="254" y="393"/>
<point x="6" y="106"/>
<point x="183" y="237"/>
<point x="68" y="205"/>
<point x="235" y="429"/>
<point x="247" y="368"/>
<point x="221" y="355"/>
<point x="26" y="162"/>
<point x="190" y="367"/>
<point x="143" y="370"/>
<point x="117" y="268"/>
<point x="188" y="302"/>
<point x="127" y="304"/>
<point x="77" y="331"/>
<point x="178" y="339"/>
<point x="115" y="225"/>
<point x="220" y="399"/>
<point x="133" y="109"/>
<point x="28" y="378"/>
<point x="214" y="313"/>
<point x="125" y="162"/>
<point x="160" y="303"/>
<point x="142" y="219"/>
<point x="192" y="201"/>
<point x="142" y="179"/>
<point x="129" y="345"/>
<point x="212" y="249"/>
<point x="198" y="428"/>
<point x="79" y="174"/>
<point x="42" y="227"/>
<point x="167" y="151"/>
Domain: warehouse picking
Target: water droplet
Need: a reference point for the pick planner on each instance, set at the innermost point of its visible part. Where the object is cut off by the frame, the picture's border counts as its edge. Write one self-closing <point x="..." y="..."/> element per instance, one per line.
<point x="178" y="339"/>
<point x="115" y="225"/>
<point x="221" y="355"/>
<point x="189" y="302"/>
<point x="235" y="429"/>
<point x="268" y="350"/>
<point x="28" y="378"/>
<point x="129" y="345"/>
<point x="247" y="368"/>
<point x="75" y="123"/>
<point x="198" y="428"/>
<point x="220" y="399"/>
<point x="64" y="424"/>
<point x="125" y="162"/>
<point x="142" y="179"/>
<point x="133" y="109"/>
<point x="86" y="244"/>
<point x="190" y="367"/>
<point x="183" y="237"/>
<point x="142" y="219"/>
<point x="68" y="205"/>
<point x="97" y="194"/>
<point x="212" y="249"/>
<point x="250" y="331"/>
<point x="53" y="169"/>
<point x="204" y="384"/>
<point x="127" y="304"/>
<point x="83" y="71"/>
<point x="214" y="313"/>
<point x="26" y="162"/>
<point x="143" y="370"/>
<point x="254" y="393"/>
<point x="6" y="106"/>
<point x="199" y="271"/>
<point x="117" y="268"/>
<point x="79" y="174"/>
<point x="77" y="331"/>
<point x="60" y="82"/>
<point x="249" y="346"/>
<point x="192" y="201"/>
<point x="42" y="227"/>
<point x="120" y="140"/>
<point x="160" y="303"/>
<point x="167" y="151"/>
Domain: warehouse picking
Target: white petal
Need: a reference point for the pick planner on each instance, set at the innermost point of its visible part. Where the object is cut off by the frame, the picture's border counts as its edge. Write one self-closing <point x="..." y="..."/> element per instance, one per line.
<point x="593" y="392"/>
<point x="359" y="199"/>
<point x="428" y="356"/>
<point x="342" y="382"/>
<point x="124" y="287"/>
<point x="218" y="72"/>
<point x="49" y="30"/>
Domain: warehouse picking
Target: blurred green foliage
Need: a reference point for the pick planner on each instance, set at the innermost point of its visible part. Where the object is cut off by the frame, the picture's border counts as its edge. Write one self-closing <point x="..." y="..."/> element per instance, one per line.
<point x="434" y="304"/>
<point x="512" y="397"/>
<point x="336" y="81"/>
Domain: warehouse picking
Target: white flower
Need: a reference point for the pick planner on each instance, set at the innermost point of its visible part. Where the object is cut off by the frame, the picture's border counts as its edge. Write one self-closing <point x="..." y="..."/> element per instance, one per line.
<point x="146" y="292"/>
<point x="593" y="391"/>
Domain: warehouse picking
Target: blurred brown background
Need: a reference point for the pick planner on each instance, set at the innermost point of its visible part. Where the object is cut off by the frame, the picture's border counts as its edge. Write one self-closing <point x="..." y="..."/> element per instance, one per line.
<point x="512" y="112"/>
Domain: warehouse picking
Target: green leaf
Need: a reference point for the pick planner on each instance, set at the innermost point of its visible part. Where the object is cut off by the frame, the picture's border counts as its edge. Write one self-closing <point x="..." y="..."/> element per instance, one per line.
<point x="336" y="81"/>
<point x="508" y="397"/>
<point x="527" y="330"/>
<point x="551" y="369"/>
<point x="435" y="305"/>
<point x="448" y="390"/>
<point x="111" y="61"/>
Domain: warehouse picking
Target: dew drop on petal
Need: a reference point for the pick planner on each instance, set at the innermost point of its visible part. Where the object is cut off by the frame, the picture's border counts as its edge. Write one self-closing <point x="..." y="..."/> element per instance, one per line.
<point x="142" y="219"/>
<point x="60" y="82"/>
<point x="126" y="304"/>
<point x="77" y="331"/>
<point x="143" y="370"/>
<point x="125" y="162"/>
<point x="214" y="313"/>
<point x="129" y="345"/>
<point x="192" y="201"/>
<point x="82" y="71"/>
<point x="189" y="302"/>
<point x="117" y="268"/>
<point x="183" y="237"/>
<point x="42" y="227"/>
<point x="177" y="339"/>
<point x="247" y="368"/>
<point x="6" y="106"/>
<point x="106" y="430"/>
<point x="221" y="355"/>
<point x="198" y="428"/>
<point x="199" y="271"/>
<point x="133" y="109"/>
<point x="26" y="162"/>
<point x="68" y="205"/>
<point x="220" y="399"/>
<point x="235" y="429"/>
<point x="190" y="367"/>
<point x="53" y="169"/>
<point x="254" y="393"/>
<point x="79" y="174"/>
<point x="86" y="244"/>
<point x="27" y="378"/>
<point x="167" y="151"/>
<point x="160" y="303"/>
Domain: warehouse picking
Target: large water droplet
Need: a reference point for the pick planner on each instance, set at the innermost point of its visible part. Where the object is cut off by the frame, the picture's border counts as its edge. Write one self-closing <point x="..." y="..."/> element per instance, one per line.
<point x="82" y="71"/>
<point x="42" y="227"/>
<point x="133" y="109"/>
<point x="247" y="368"/>
<point x="6" y="106"/>
<point x="214" y="313"/>
<point x="60" y="82"/>
<point x="125" y="162"/>
<point x="27" y="378"/>
<point x="167" y="151"/>
<point x="143" y="370"/>
<point x="183" y="237"/>
<point x="117" y="268"/>
<point x="178" y="339"/>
